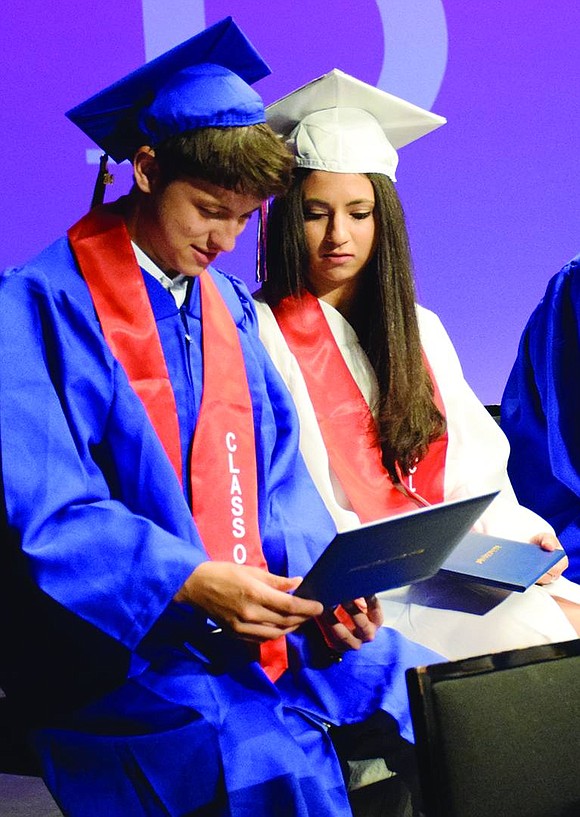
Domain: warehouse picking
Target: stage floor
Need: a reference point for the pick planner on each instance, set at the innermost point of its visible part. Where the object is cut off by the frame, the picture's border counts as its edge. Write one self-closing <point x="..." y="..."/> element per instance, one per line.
<point x="25" y="797"/>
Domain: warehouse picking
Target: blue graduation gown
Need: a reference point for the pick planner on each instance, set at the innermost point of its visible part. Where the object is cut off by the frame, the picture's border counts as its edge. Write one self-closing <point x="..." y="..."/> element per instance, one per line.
<point x="163" y="717"/>
<point x="540" y="412"/>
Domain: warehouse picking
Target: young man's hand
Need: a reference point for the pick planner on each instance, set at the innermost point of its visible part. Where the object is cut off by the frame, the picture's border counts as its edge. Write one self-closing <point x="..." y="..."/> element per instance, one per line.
<point x="250" y="602"/>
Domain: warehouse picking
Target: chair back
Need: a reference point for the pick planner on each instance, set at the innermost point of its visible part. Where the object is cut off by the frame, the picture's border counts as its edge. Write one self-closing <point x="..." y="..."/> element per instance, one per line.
<point x="495" y="410"/>
<point x="499" y="735"/>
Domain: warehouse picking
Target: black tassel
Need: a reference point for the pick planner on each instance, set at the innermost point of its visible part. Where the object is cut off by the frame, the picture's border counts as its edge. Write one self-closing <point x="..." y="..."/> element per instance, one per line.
<point x="261" y="269"/>
<point x="103" y="178"/>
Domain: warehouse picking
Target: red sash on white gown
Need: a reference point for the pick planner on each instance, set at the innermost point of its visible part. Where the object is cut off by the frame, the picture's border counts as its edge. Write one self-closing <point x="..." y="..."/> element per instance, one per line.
<point x="222" y="469"/>
<point x="345" y="420"/>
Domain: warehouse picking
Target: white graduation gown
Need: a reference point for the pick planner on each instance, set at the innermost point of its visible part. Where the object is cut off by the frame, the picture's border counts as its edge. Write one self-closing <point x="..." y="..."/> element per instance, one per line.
<point x="473" y="619"/>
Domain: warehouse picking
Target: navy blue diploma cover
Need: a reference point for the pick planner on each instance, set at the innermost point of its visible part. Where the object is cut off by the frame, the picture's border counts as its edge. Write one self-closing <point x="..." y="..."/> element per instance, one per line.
<point x="504" y="563"/>
<point x="390" y="553"/>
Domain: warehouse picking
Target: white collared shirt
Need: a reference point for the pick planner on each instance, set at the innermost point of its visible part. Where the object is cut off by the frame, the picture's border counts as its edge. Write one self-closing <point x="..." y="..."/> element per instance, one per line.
<point x="176" y="286"/>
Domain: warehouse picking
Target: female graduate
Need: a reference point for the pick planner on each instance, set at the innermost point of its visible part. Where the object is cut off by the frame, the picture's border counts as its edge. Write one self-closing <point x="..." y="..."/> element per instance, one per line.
<point x="388" y="422"/>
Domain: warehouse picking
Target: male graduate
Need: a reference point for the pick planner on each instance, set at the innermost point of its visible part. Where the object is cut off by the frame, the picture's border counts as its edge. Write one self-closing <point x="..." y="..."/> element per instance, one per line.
<point x="158" y="514"/>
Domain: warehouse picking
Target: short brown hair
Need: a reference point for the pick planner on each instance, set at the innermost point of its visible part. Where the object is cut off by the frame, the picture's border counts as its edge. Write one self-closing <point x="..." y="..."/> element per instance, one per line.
<point x="250" y="160"/>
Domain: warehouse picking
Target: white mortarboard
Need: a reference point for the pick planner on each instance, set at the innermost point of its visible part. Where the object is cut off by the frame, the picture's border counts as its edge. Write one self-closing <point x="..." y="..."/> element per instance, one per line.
<point x="341" y="124"/>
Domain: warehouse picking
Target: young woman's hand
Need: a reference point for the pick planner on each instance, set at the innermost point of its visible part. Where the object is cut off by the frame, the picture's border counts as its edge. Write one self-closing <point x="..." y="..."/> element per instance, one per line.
<point x="547" y="541"/>
<point x="349" y="626"/>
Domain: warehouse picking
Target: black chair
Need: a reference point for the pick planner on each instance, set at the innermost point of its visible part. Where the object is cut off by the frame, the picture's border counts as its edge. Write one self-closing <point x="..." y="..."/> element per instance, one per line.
<point x="499" y="735"/>
<point x="495" y="410"/>
<point x="16" y="757"/>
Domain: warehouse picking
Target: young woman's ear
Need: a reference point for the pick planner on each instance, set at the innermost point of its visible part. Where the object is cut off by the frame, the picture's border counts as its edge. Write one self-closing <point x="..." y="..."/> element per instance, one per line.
<point x="145" y="169"/>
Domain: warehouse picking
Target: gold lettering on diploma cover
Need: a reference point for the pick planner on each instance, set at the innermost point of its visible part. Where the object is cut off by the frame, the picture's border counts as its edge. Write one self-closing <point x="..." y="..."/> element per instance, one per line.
<point x="387" y="559"/>
<point x="485" y="556"/>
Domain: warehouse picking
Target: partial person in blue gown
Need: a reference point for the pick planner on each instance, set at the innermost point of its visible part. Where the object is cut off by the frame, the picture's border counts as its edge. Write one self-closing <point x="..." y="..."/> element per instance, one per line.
<point x="158" y="513"/>
<point x="540" y="410"/>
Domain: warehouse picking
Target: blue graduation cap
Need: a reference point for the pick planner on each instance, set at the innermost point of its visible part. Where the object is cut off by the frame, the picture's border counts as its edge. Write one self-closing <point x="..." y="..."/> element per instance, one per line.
<point x="204" y="82"/>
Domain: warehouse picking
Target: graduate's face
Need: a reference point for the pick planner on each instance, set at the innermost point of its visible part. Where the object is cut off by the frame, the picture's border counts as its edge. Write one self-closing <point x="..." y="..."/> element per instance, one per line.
<point x="184" y="225"/>
<point x="339" y="226"/>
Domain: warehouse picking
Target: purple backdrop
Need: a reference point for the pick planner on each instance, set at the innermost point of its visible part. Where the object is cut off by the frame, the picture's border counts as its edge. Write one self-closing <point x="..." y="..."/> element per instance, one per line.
<point x="490" y="198"/>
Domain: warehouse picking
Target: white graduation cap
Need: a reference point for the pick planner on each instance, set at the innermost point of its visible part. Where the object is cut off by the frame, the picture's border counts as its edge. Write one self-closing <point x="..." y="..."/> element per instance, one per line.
<point x="341" y="124"/>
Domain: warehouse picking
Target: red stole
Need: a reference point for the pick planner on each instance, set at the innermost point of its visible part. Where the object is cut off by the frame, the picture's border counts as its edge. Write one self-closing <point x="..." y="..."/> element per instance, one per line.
<point x="223" y="460"/>
<point x="345" y="421"/>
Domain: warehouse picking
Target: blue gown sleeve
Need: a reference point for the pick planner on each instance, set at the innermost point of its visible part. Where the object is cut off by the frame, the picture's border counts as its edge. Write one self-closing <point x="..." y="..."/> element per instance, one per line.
<point x="540" y="411"/>
<point x="89" y="494"/>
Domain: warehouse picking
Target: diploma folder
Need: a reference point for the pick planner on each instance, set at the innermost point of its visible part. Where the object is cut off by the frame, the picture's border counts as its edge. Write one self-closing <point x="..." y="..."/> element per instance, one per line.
<point x="504" y="563"/>
<point x="390" y="553"/>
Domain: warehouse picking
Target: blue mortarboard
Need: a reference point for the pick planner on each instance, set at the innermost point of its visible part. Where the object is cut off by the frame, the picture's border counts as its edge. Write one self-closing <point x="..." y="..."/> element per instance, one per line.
<point x="204" y="82"/>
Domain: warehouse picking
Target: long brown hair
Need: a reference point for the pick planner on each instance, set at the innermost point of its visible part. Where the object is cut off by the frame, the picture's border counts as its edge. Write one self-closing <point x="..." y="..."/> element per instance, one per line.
<point x="384" y="317"/>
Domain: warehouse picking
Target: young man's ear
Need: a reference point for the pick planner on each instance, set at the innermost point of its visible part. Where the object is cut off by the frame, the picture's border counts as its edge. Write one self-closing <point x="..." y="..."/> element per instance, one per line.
<point x="145" y="169"/>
